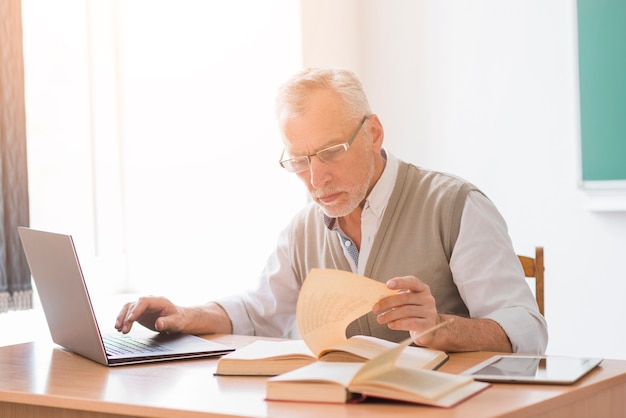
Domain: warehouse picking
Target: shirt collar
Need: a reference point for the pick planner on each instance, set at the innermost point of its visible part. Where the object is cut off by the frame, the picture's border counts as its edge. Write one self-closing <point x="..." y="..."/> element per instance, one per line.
<point x="377" y="200"/>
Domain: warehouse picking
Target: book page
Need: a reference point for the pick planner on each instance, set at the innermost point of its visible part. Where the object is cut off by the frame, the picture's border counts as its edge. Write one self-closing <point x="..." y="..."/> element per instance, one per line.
<point x="364" y="347"/>
<point x="330" y="300"/>
<point x="383" y="362"/>
<point x="317" y="382"/>
<point x="358" y="347"/>
<point x="387" y="360"/>
<point x="262" y="349"/>
<point x="340" y="373"/>
<point x="265" y="358"/>
<point x="421" y="386"/>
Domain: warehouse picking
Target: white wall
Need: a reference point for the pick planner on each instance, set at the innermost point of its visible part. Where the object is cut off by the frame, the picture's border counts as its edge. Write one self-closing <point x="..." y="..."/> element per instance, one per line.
<point x="487" y="90"/>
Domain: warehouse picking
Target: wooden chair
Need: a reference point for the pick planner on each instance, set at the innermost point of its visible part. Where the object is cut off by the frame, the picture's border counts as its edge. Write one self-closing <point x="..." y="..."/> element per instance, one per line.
<point x="533" y="267"/>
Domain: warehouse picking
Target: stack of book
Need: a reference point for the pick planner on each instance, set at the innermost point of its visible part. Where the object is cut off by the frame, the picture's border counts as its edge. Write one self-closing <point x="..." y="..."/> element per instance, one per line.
<point x="325" y="366"/>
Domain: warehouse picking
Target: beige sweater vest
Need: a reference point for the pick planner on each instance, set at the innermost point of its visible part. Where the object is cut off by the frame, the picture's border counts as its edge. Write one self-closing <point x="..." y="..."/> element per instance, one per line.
<point x="416" y="237"/>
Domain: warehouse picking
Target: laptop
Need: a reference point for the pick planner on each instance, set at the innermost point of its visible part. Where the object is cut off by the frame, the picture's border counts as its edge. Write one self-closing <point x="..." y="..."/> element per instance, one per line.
<point x="56" y="270"/>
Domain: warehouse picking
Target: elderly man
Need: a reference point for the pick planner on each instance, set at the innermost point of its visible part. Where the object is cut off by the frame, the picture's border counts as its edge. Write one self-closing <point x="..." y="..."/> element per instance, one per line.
<point x="435" y="238"/>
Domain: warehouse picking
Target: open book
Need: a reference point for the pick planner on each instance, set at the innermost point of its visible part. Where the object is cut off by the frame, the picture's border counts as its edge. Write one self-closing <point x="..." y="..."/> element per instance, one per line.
<point x="381" y="377"/>
<point x="328" y="302"/>
<point x="269" y="358"/>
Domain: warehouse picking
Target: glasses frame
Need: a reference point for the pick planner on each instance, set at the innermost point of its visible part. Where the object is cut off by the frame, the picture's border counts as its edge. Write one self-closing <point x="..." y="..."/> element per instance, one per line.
<point x="288" y="163"/>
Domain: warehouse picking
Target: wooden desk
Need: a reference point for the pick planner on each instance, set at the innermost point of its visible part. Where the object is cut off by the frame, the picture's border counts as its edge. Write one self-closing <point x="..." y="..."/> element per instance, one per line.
<point x="41" y="379"/>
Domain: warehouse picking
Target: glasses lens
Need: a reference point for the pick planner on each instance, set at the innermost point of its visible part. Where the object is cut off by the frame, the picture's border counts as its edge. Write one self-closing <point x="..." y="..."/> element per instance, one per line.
<point x="333" y="153"/>
<point x="296" y="165"/>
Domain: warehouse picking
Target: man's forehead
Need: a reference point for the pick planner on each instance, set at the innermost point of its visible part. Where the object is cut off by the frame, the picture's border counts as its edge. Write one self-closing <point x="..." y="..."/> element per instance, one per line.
<point x="303" y="129"/>
<point x="306" y="135"/>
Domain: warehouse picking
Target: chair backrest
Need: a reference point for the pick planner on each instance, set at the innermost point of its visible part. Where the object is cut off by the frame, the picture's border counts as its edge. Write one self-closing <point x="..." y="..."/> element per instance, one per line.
<point x="533" y="267"/>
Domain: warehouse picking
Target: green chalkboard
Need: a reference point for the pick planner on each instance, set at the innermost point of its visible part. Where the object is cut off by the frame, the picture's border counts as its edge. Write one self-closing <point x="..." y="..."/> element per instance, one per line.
<point x="602" y="75"/>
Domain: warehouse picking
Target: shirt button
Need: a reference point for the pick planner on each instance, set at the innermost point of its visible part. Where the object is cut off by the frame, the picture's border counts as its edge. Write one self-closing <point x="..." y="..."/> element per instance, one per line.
<point x="348" y="243"/>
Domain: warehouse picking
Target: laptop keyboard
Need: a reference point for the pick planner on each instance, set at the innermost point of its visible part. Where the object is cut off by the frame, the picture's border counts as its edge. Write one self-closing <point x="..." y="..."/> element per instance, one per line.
<point x="120" y="344"/>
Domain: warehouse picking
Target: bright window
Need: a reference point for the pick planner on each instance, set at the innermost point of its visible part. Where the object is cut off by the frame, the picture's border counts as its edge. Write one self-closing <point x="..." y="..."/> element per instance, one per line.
<point x="152" y="138"/>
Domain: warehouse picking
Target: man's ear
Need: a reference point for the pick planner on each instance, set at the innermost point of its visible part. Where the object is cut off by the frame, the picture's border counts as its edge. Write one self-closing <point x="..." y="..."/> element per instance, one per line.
<point x="376" y="131"/>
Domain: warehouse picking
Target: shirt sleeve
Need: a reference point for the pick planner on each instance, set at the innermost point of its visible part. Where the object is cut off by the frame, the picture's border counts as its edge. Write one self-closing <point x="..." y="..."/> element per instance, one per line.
<point x="270" y="309"/>
<point x="490" y="278"/>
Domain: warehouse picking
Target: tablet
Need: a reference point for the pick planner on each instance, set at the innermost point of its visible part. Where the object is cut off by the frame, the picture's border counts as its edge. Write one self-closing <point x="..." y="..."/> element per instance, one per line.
<point x="515" y="368"/>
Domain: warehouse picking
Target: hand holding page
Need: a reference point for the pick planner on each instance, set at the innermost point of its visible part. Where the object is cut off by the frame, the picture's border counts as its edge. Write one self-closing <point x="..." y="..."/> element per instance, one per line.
<point x="329" y="300"/>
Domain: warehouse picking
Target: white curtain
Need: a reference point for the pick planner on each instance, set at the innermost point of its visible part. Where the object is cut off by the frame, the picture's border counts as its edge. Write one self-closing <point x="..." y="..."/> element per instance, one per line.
<point x="15" y="284"/>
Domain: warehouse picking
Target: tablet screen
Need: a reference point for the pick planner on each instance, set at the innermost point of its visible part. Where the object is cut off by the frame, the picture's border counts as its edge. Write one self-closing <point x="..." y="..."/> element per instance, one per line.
<point x="533" y="369"/>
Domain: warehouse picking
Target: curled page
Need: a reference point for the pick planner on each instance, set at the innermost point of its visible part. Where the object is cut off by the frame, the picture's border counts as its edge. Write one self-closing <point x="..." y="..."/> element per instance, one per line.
<point x="330" y="300"/>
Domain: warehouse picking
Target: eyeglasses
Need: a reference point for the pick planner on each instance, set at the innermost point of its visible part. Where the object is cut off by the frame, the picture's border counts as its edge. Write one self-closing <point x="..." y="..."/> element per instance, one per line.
<point x="327" y="155"/>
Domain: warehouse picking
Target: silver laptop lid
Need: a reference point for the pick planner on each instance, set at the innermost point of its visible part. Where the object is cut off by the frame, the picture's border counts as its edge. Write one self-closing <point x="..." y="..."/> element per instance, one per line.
<point x="64" y="297"/>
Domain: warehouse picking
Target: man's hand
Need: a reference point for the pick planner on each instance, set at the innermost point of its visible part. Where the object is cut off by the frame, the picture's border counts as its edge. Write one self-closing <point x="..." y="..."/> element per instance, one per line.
<point x="160" y="314"/>
<point x="156" y="313"/>
<point x="412" y="309"/>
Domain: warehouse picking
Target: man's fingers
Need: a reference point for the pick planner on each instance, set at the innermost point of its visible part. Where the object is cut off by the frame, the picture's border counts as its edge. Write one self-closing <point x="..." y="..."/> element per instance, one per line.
<point x="411" y="291"/>
<point x="129" y="314"/>
<point x="120" y="321"/>
<point x="407" y="283"/>
<point x="149" y="311"/>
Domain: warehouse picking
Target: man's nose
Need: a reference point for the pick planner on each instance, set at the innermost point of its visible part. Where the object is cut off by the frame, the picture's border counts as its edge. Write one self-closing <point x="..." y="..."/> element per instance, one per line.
<point x="318" y="172"/>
